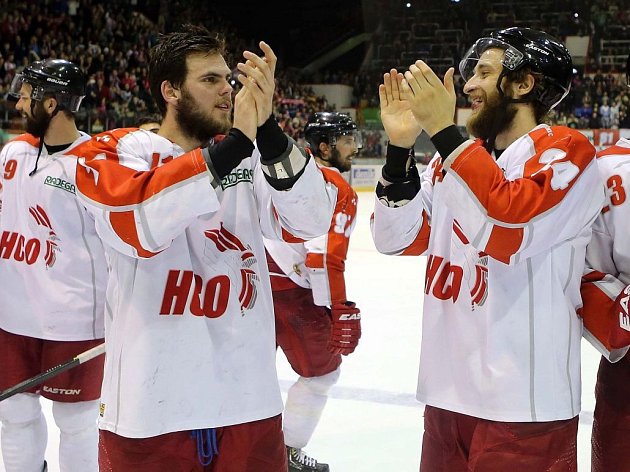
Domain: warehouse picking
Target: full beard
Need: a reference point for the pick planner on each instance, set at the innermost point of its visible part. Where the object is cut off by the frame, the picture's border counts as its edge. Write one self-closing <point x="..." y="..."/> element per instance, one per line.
<point x="494" y="117"/>
<point x="195" y="123"/>
<point x="37" y="124"/>
<point x="338" y="162"/>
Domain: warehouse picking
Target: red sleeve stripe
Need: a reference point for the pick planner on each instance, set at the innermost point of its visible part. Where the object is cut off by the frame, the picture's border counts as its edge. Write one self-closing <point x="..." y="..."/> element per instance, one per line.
<point x="421" y="241"/>
<point x="124" y="225"/>
<point x="503" y="242"/>
<point x="289" y="238"/>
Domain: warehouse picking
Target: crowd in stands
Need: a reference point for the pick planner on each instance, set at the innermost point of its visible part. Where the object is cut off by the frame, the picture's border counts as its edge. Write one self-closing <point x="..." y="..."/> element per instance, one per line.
<point x="110" y="42"/>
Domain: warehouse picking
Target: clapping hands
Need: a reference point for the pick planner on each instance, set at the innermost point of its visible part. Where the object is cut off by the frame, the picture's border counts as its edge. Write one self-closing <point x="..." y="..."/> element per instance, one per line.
<point x="432" y="101"/>
<point x="257" y="75"/>
<point x="400" y="124"/>
<point x="414" y="101"/>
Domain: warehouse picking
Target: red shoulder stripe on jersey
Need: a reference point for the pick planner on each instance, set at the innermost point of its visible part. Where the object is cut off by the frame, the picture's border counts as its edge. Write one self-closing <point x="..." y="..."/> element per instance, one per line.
<point x="124" y="225"/>
<point x="103" y="180"/>
<point x="613" y="151"/>
<point x="521" y="200"/>
<point x="27" y="138"/>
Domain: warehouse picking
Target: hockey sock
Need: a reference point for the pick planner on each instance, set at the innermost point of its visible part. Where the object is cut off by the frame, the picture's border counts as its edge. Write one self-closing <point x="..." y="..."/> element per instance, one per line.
<point x="24" y="433"/>
<point x="78" y="442"/>
<point x="305" y="403"/>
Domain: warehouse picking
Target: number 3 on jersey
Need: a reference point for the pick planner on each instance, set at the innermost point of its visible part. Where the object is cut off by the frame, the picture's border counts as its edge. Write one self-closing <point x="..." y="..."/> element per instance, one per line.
<point x="617" y="193"/>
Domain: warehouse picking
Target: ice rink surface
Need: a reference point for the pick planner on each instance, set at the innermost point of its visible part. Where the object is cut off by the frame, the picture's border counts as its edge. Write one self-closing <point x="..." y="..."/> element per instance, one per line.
<point x="372" y="422"/>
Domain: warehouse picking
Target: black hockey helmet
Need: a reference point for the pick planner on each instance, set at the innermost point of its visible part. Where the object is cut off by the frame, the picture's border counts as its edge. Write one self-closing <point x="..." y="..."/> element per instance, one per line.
<point x="523" y="47"/>
<point x="57" y="77"/>
<point x="325" y="126"/>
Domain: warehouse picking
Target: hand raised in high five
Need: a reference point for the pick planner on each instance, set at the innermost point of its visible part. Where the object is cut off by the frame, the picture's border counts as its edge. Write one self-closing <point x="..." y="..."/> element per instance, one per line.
<point x="258" y="76"/>
<point x="401" y="126"/>
<point x="432" y="102"/>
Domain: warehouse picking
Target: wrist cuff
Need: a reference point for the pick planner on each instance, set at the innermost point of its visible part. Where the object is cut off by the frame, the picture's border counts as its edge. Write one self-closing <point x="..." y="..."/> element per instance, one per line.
<point x="224" y="156"/>
<point x="447" y="140"/>
<point x="270" y="139"/>
<point x="397" y="162"/>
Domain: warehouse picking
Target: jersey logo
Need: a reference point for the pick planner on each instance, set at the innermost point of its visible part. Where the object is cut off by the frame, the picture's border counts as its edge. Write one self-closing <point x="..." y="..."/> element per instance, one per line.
<point x="23" y="249"/>
<point x="350" y="317"/>
<point x="233" y="253"/>
<point x="444" y="279"/>
<point x="474" y="268"/>
<point x="236" y="177"/>
<point x="479" y="290"/>
<point x="60" y="183"/>
<point x="52" y="241"/>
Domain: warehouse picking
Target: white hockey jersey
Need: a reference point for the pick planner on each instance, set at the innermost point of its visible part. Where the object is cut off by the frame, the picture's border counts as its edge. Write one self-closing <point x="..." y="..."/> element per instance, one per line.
<point x="190" y="326"/>
<point x="608" y="258"/>
<point x="319" y="264"/>
<point x="52" y="263"/>
<point x="506" y="243"/>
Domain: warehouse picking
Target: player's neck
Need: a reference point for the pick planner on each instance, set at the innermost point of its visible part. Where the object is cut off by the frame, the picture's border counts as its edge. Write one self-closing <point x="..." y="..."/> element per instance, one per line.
<point x="522" y="124"/>
<point x="173" y="132"/>
<point x="62" y="130"/>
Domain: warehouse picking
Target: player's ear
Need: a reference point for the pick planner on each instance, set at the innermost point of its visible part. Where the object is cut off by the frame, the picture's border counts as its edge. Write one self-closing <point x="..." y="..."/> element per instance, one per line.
<point x="170" y="93"/>
<point x="49" y="105"/>
<point x="324" y="149"/>
<point x="525" y="86"/>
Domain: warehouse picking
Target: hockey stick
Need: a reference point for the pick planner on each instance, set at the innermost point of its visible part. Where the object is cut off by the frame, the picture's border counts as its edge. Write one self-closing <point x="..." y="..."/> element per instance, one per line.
<point x="53" y="371"/>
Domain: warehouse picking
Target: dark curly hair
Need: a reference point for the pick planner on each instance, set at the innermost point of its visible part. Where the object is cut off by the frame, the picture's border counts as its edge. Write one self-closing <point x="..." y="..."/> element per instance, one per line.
<point x="167" y="60"/>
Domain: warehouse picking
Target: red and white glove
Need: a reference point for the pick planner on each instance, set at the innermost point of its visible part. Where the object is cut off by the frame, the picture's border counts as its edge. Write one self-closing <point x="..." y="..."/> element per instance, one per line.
<point x="620" y="327"/>
<point x="346" y="328"/>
